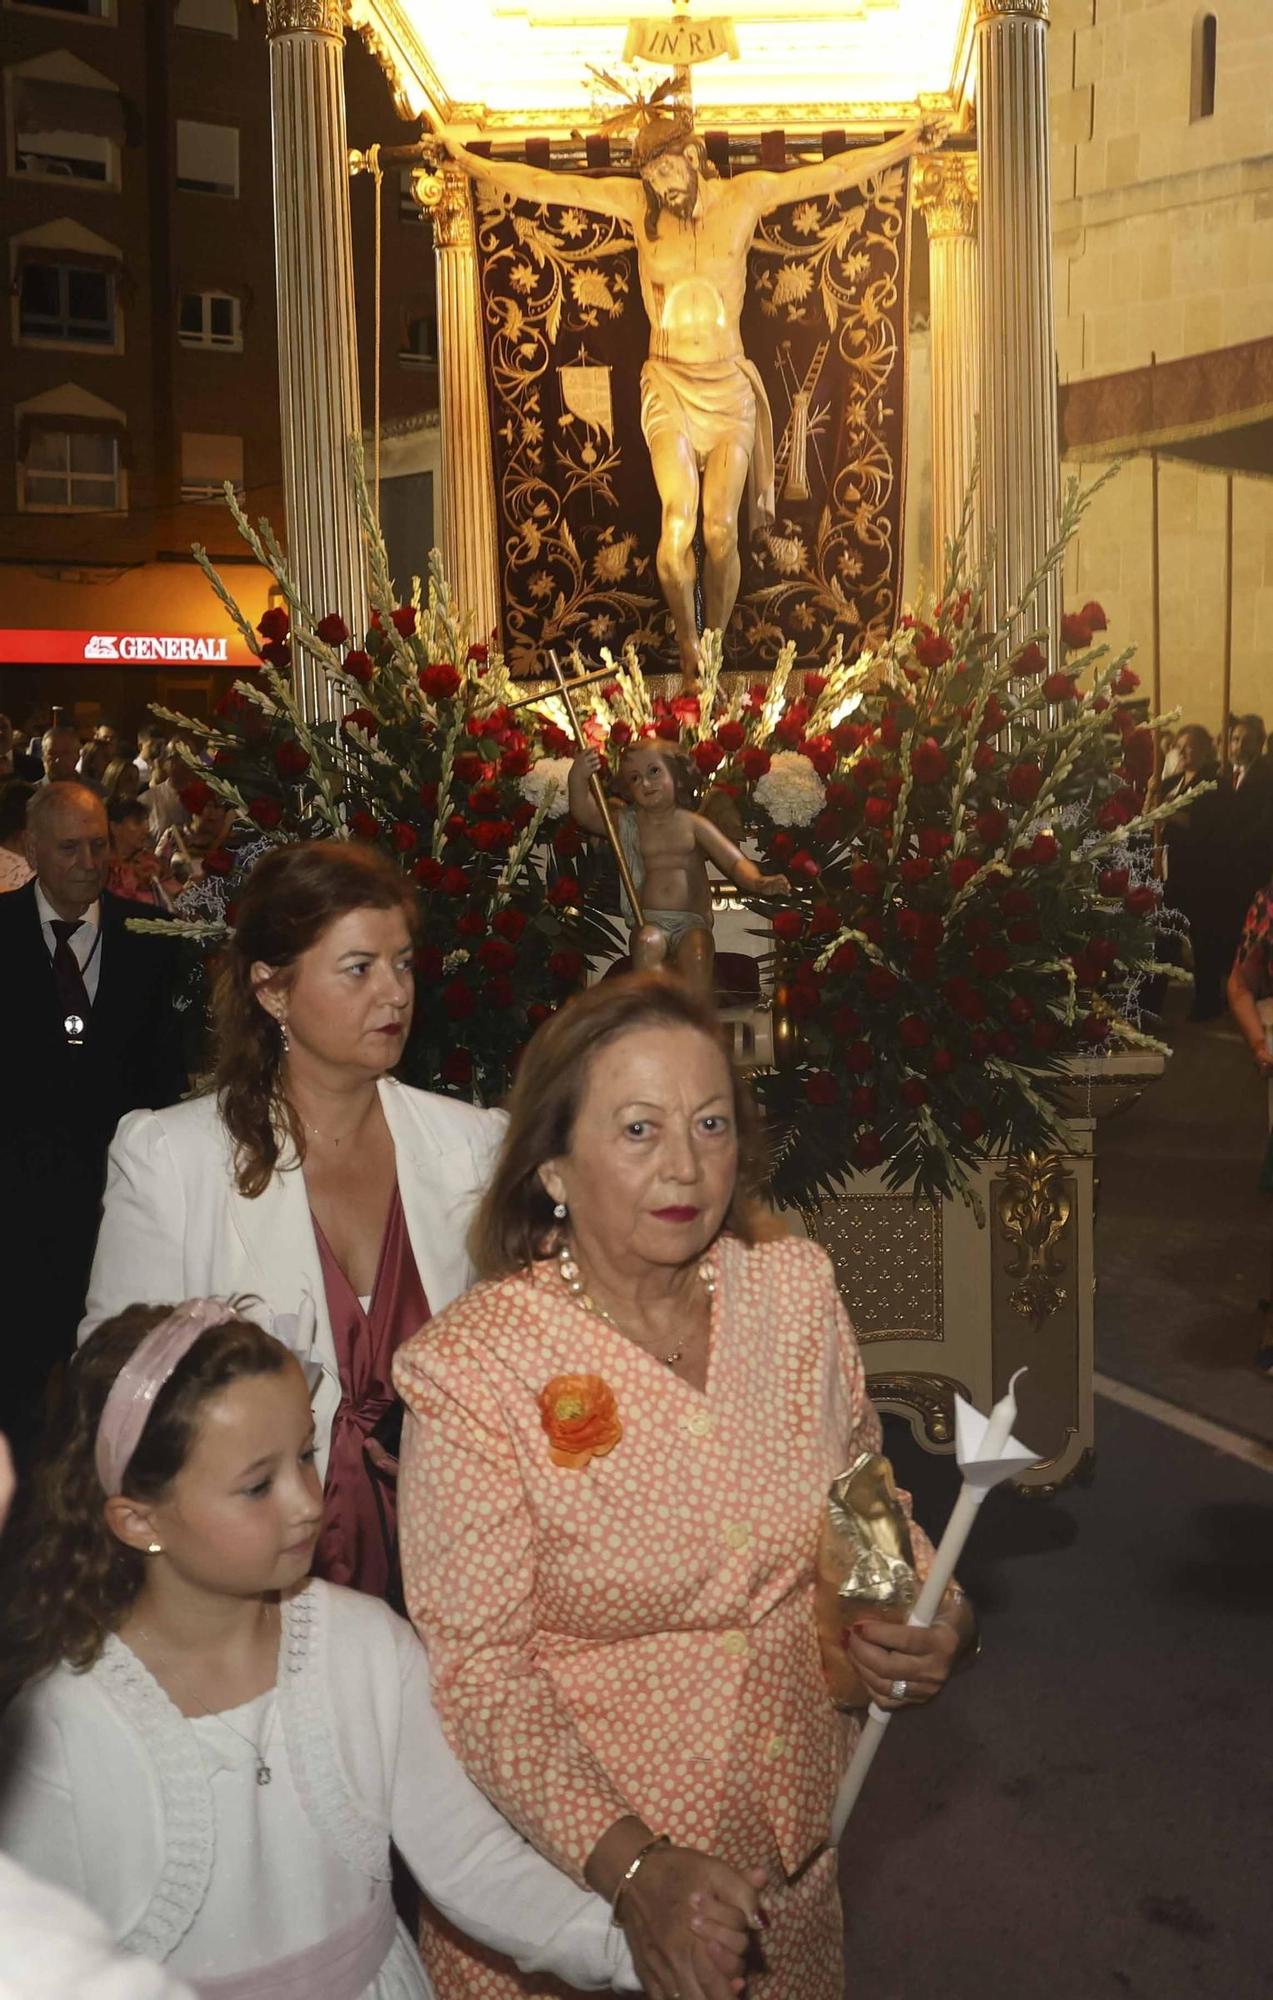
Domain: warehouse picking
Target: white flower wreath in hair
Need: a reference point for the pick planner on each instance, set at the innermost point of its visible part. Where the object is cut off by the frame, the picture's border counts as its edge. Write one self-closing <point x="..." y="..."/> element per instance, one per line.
<point x="791" y="792"/>
<point x="547" y="779"/>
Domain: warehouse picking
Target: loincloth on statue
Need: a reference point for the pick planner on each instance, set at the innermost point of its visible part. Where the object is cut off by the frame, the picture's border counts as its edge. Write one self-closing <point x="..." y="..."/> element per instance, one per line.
<point x="710" y="403"/>
<point x="676" y="925"/>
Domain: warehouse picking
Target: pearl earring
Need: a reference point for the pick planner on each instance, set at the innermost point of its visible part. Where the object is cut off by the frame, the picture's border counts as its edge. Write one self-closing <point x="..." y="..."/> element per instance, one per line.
<point x="559" y="1210"/>
<point x="154" y="1548"/>
<point x="287" y="1046"/>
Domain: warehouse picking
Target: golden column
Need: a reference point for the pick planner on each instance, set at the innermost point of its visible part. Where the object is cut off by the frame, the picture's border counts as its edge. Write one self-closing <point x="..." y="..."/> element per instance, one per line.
<point x="470" y="541"/>
<point x="317" y="352"/>
<point x="1020" y="465"/>
<point x="946" y="194"/>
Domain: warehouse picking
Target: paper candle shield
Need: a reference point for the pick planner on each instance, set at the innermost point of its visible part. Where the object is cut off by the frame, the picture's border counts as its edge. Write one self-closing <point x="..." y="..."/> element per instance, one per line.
<point x="865" y="1564"/>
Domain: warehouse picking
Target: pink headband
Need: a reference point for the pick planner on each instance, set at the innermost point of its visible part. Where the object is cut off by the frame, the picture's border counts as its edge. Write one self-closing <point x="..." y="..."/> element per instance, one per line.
<point x="133" y="1392"/>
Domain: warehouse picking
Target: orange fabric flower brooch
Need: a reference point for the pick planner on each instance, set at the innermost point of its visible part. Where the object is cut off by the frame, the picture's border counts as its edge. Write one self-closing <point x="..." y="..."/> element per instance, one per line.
<point x="581" y="1419"/>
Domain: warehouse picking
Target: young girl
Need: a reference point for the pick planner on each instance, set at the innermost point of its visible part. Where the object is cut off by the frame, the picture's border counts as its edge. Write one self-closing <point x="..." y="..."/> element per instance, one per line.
<point x="212" y="1752"/>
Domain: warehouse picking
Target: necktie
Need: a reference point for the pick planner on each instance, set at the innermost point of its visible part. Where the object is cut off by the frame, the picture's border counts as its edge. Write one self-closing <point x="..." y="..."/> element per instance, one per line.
<point x="71" y="991"/>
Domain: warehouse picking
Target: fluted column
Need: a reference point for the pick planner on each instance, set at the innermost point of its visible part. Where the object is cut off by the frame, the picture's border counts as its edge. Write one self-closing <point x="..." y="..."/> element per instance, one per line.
<point x="946" y="194"/>
<point x="1020" y="461"/>
<point x="317" y="354"/>
<point x="470" y="540"/>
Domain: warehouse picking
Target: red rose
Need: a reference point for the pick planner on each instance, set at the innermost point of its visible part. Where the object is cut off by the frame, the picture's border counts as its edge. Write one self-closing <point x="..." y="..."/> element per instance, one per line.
<point x="991" y="961"/>
<point x="332" y="629"/>
<point x="621" y="734"/>
<point x="961" y="871"/>
<point x="1076" y="633"/>
<point x="1115" y="812"/>
<point x="1093" y="617"/>
<point x="556" y="741"/>
<point x="1141" y="901"/>
<point x="979" y="1044"/>
<point x="457" y="1068"/>
<point x="933" y="842"/>
<point x="821" y="752"/>
<point x="195" y="796"/>
<point x="965" y="999"/>
<point x="567" y="840"/>
<point x="275" y="623"/>
<point x="484" y="799"/>
<point x="708" y="755"/>
<point x="404" y="620"/>
<point x="1113" y="881"/>
<point x="803" y="864"/>
<point x="858" y="1058"/>
<point x="277" y="654"/>
<point x="878" y="813"/>
<point x="218" y="863"/>
<point x="403" y="836"/>
<point x="754" y="762"/>
<point x="479" y="652"/>
<point x="869" y="1149"/>
<point x="1060" y="687"/>
<point x="427" y="871"/>
<point x="537" y="1013"/>
<point x="497" y="992"/>
<point x="1025" y="782"/>
<point x="360" y="718"/>
<point x="509" y="923"/>
<point x="232" y="703"/>
<point x="1095" y="1028"/>
<point x="866" y="877"/>
<point x="916" y="868"/>
<point x="781" y="846"/>
<point x="932" y="651"/>
<point x="1020" y="1009"/>
<point x="844" y="958"/>
<point x="471" y="923"/>
<point x="489" y="835"/>
<point x="941" y="1062"/>
<point x="497" y="955"/>
<point x="863" y="1100"/>
<point x="993" y="718"/>
<point x="866" y="771"/>
<point x="565" y="965"/>
<point x="266" y="812"/>
<point x="362" y="825"/>
<point x="814" y="685"/>
<point x="914" y="1092"/>
<point x="439" y="682"/>
<point x="453" y="882"/>
<point x="984" y="758"/>
<point x="914" y="1032"/>
<point x="565" y="893"/>
<point x="1017" y="903"/>
<point x="991" y="824"/>
<point x="1024" y="931"/>
<point x="850" y="736"/>
<point x="823" y="920"/>
<point x="1044" y="849"/>
<point x="360" y="666"/>
<point x="731" y="736"/>
<point x="1102" y="951"/>
<point x="820" y="1087"/>
<point x="929" y="762"/>
<point x="787" y="925"/>
<point x="669" y="730"/>
<point x="971" y="1123"/>
<point x="1030" y="660"/>
<point x="469" y="767"/>
<point x="1125" y="681"/>
<point x="881" y="984"/>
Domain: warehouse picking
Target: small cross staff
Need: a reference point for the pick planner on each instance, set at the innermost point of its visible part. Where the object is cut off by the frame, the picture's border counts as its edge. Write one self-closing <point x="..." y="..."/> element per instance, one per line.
<point x="566" y="688"/>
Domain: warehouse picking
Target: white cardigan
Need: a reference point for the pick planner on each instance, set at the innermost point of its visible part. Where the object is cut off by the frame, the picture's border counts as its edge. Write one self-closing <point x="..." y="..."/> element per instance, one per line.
<point x="174" y="1225"/>
<point x="104" y="1793"/>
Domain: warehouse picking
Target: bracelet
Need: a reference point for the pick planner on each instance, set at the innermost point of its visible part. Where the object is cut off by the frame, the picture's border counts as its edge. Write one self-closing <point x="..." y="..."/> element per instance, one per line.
<point x="633" y="1868"/>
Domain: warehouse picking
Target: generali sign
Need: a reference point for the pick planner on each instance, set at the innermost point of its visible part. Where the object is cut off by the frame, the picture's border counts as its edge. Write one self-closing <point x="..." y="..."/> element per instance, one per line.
<point x="21" y="645"/>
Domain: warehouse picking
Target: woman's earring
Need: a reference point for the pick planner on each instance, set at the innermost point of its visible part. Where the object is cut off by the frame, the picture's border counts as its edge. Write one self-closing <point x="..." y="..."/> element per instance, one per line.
<point x="287" y="1046"/>
<point x="559" y="1210"/>
<point x="154" y="1548"/>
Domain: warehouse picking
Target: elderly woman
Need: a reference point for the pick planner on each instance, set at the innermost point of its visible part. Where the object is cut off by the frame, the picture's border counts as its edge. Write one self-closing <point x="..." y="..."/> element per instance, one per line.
<point x="306" y="1176"/>
<point x="613" y="1479"/>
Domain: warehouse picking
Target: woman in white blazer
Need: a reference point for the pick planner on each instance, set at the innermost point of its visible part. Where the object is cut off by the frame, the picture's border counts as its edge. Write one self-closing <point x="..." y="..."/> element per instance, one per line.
<point x="307" y="1179"/>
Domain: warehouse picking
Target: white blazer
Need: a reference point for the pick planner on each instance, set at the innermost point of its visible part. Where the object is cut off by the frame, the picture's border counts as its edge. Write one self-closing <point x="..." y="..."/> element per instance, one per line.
<point x="174" y="1225"/>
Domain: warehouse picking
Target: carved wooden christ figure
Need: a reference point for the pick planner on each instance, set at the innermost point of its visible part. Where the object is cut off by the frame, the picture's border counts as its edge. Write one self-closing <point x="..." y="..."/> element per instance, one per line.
<point x="704" y="412"/>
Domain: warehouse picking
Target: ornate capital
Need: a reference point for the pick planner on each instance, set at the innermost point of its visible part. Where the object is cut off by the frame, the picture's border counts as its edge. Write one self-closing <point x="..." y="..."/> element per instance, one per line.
<point x="443" y="194"/>
<point x="305" y="17"/>
<point x="946" y="193"/>
<point x="1023" y="10"/>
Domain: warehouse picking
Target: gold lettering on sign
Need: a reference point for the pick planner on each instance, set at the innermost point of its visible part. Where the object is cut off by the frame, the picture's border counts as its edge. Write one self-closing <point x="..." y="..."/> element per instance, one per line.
<point x="681" y="42"/>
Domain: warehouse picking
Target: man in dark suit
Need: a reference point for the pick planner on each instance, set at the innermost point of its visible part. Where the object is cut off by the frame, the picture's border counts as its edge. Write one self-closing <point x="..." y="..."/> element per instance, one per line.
<point x="87" y="1022"/>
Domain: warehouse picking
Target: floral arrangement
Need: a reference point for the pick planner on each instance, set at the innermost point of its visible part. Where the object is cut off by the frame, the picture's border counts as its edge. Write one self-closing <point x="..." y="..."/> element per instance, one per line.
<point x="955" y="818"/>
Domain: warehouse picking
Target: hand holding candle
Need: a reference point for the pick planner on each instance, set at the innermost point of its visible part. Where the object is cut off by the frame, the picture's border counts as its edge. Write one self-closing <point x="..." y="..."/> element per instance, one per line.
<point x="987" y="1453"/>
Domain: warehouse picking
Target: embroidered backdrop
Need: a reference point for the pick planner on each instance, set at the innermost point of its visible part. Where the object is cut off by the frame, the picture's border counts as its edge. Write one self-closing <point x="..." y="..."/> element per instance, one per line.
<point x="566" y="334"/>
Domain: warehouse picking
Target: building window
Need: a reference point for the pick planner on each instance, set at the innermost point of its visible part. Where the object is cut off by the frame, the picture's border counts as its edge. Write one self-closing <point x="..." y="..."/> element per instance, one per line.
<point x="207" y="158"/>
<point x="69" y="471"/>
<point x="208" y="459"/>
<point x="66" y="302"/>
<point x="93" y="10"/>
<point x="69" y="156"/>
<point x="209" y="319"/>
<point x="1202" y="75"/>
<point x="420" y="343"/>
<point x="64" y="131"/>
<point x="214" y="17"/>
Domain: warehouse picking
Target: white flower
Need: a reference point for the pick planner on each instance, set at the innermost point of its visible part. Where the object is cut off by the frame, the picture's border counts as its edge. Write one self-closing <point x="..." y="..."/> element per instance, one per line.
<point x="454" y="960"/>
<point x="547" y="779"/>
<point x="791" y="791"/>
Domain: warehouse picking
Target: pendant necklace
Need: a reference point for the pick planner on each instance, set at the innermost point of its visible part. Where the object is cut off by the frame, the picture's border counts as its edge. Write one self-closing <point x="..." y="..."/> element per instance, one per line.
<point x="568" y="1272"/>
<point x="264" y="1775"/>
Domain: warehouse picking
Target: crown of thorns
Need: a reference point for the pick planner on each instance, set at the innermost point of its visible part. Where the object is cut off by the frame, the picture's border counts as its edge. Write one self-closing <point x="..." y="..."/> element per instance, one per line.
<point x="658" y="123"/>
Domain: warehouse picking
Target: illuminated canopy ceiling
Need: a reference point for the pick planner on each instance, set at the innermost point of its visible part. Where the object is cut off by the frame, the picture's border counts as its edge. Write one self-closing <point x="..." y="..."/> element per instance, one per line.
<point x="504" y="67"/>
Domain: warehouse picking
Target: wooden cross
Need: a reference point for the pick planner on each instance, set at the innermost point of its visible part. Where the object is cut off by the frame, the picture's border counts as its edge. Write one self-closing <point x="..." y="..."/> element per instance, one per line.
<point x="565" y="689"/>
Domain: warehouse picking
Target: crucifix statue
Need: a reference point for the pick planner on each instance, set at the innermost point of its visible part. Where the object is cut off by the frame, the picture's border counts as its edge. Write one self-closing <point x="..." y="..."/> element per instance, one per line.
<point x="704" y="412"/>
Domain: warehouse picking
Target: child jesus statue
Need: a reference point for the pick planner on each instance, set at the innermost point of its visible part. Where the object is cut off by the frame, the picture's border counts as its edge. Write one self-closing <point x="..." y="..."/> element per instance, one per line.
<point x="667" y="846"/>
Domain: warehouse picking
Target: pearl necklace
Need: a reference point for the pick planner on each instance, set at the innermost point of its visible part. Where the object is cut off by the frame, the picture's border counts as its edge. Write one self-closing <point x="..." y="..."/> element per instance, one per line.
<point x="568" y="1272"/>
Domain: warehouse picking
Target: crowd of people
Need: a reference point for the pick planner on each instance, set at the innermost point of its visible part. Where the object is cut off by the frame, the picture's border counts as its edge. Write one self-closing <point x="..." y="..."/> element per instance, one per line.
<point x="403" y="1477"/>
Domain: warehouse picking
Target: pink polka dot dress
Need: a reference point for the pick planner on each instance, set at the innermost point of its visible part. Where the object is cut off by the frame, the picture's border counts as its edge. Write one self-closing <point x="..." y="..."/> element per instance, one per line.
<point x="636" y="1635"/>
